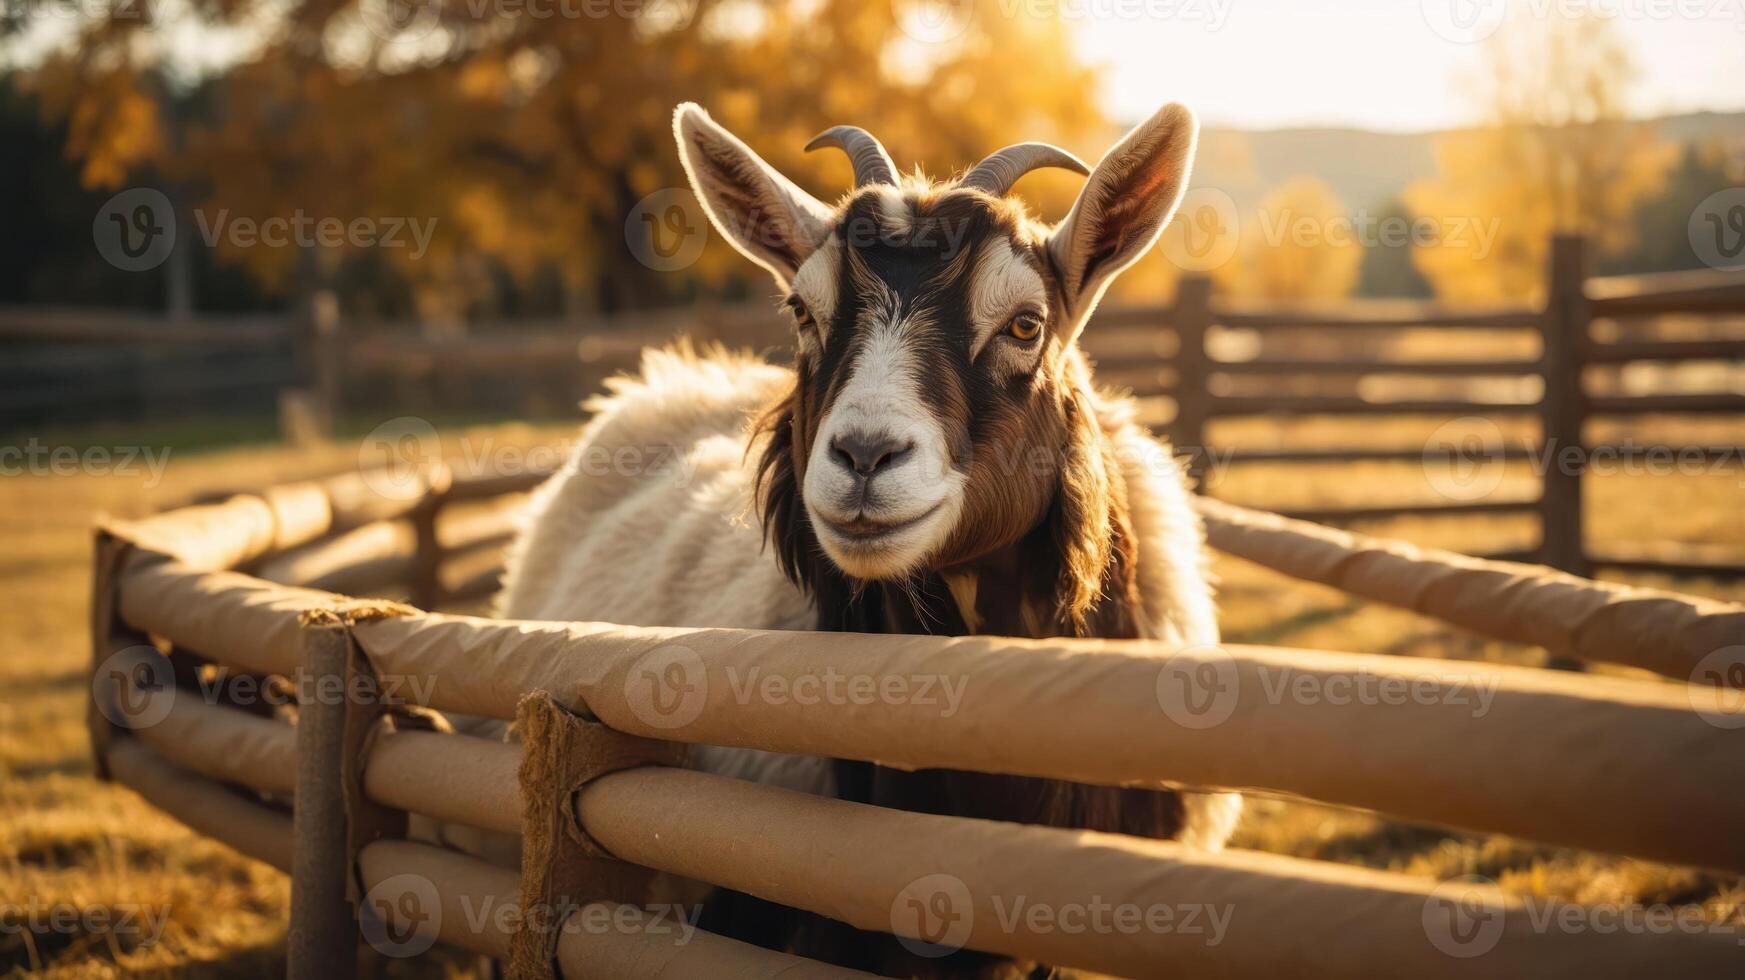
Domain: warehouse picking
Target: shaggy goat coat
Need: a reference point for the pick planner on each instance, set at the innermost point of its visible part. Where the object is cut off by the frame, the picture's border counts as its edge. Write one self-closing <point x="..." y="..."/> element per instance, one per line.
<point x="650" y="523"/>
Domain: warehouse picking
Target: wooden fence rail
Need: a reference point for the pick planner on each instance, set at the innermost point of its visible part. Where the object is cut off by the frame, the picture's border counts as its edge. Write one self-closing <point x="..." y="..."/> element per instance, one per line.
<point x="1581" y="761"/>
<point x="1567" y="348"/>
<point x="1161" y="352"/>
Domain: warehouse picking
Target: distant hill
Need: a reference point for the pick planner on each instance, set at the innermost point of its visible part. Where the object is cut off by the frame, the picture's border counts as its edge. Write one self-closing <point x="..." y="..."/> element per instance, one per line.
<point x="1367" y="168"/>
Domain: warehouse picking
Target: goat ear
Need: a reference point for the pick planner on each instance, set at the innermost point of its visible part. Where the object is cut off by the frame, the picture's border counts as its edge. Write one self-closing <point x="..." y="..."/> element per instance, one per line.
<point x="1123" y="208"/>
<point x="764" y="214"/>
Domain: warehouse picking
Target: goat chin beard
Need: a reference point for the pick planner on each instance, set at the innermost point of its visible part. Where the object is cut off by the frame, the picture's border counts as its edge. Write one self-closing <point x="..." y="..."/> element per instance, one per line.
<point x="887" y="555"/>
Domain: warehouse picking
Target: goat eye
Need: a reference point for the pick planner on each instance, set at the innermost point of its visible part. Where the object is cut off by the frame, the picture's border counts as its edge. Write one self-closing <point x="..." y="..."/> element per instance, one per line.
<point x="1025" y="327"/>
<point x="802" y="315"/>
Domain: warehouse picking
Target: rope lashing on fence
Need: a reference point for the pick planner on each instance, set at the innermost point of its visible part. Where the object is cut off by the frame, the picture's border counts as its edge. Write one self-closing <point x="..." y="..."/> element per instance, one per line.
<point x="1663" y="632"/>
<point x="1612" y="765"/>
<point x="562" y="755"/>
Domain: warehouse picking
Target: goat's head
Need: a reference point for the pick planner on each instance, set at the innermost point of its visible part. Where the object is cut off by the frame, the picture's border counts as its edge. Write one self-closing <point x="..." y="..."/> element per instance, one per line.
<point x="941" y="401"/>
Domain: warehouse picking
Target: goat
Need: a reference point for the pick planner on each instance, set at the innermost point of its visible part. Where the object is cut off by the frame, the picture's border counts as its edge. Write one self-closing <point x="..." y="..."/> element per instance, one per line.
<point x="936" y="461"/>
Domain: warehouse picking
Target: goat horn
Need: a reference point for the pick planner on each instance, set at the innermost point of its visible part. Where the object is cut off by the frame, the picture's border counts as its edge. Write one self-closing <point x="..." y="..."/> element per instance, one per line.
<point x="872" y="165"/>
<point x="1001" y="170"/>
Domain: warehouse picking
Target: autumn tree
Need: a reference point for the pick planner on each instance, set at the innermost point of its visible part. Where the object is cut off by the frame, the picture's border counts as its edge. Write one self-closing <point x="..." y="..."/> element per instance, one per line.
<point x="1299" y="244"/>
<point x="1557" y="154"/>
<point x="530" y="130"/>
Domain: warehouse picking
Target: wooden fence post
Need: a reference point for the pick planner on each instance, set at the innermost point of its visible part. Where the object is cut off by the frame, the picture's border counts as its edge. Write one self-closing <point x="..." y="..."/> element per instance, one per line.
<point x="1564" y="337"/>
<point x="427" y="592"/>
<point x="329" y="360"/>
<point x="1191" y="316"/>
<point x="322" y="943"/>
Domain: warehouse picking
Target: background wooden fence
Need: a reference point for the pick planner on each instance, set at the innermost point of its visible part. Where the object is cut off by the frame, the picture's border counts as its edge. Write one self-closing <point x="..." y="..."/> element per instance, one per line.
<point x="1568" y="348"/>
<point x="1290" y="362"/>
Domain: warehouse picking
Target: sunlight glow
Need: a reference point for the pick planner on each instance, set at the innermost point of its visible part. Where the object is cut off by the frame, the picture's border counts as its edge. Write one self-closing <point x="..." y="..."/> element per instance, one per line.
<point x="1375" y="64"/>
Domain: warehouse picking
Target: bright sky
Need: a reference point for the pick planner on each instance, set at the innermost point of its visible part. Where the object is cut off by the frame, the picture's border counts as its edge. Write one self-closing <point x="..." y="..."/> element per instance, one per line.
<point x="1259" y="64"/>
<point x="1376" y="64"/>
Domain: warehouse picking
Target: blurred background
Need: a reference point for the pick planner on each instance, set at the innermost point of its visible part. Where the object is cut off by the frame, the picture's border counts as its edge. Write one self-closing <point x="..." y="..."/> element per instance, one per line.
<point x="1431" y="248"/>
<point x="427" y="170"/>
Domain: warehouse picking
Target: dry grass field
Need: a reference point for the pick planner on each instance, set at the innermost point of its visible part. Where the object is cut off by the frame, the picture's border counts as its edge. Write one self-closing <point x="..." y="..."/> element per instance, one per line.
<point x="74" y="851"/>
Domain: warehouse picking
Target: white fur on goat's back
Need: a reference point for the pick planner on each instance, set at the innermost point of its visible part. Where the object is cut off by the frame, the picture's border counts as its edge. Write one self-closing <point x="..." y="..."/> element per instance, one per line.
<point x="650" y="523"/>
<point x="619" y="536"/>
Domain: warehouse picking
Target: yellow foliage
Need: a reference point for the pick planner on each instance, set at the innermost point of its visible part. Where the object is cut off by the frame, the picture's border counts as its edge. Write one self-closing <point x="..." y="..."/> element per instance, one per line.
<point x="1559" y="156"/>
<point x="529" y="138"/>
<point x="1298" y="244"/>
<point x="113" y="127"/>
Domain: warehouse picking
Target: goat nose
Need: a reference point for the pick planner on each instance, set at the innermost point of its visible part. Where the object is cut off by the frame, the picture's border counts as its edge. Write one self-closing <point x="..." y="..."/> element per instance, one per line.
<point x="867" y="453"/>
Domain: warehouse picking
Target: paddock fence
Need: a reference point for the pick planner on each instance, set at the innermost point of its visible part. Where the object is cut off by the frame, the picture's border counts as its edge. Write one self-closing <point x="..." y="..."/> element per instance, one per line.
<point x="1563" y="375"/>
<point x="198" y="613"/>
<point x="1568" y="357"/>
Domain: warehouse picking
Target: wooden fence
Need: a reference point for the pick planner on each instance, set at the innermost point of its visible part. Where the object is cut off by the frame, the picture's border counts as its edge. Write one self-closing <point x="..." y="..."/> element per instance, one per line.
<point x="1162" y="352"/>
<point x="594" y="788"/>
<point x="61" y="367"/>
<point x="1567" y="349"/>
